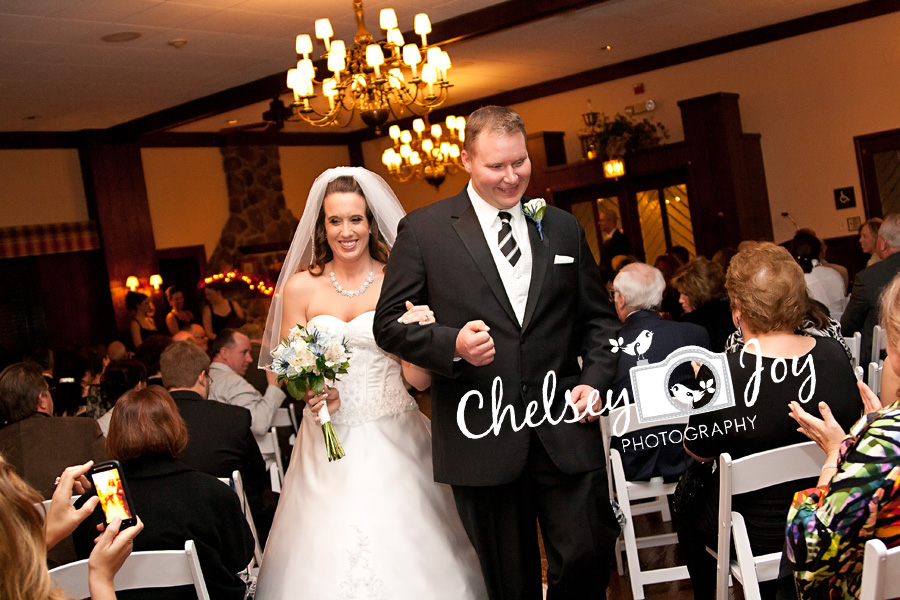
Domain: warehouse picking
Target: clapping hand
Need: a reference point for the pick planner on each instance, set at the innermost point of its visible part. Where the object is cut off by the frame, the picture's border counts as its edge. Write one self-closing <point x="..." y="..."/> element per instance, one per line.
<point x="871" y="402"/>
<point x="826" y="432"/>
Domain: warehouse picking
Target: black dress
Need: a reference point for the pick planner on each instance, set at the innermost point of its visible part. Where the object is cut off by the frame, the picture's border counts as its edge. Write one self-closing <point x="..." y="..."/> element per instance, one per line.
<point x="766" y="425"/>
<point x="175" y="504"/>
<point x="229" y="320"/>
<point x="715" y="317"/>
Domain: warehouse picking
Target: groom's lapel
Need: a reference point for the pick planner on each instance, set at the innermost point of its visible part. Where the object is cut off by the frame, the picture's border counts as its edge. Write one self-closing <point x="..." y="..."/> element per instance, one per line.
<point x="469" y="230"/>
<point x="540" y="258"/>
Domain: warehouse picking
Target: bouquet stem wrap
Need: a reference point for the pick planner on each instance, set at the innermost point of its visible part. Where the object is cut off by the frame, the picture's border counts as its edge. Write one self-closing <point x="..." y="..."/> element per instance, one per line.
<point x="303" y="360"/>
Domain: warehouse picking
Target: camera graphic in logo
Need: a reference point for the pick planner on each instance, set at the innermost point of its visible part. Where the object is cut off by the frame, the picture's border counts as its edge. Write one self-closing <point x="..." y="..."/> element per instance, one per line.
<point x="670" y="389"/>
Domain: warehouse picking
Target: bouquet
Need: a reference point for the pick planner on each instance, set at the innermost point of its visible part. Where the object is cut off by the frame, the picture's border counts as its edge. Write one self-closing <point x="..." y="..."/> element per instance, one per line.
<point x="305" y="359"/>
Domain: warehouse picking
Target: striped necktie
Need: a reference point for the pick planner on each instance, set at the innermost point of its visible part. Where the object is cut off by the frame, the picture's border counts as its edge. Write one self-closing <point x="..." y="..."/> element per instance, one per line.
<point x="506" y="241"/>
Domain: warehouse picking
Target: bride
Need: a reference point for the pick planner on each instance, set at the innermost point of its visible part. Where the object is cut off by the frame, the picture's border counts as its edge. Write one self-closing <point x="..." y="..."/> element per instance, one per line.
<point x="373" y="524"/>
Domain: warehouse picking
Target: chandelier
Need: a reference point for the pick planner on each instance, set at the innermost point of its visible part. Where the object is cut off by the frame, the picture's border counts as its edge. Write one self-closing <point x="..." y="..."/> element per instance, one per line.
<point x="429" y="154"/>
<point x="369" y="76"/>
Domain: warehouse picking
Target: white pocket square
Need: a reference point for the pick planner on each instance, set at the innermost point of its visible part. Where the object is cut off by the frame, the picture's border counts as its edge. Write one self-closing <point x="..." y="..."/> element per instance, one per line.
<point x="562" y="259"/>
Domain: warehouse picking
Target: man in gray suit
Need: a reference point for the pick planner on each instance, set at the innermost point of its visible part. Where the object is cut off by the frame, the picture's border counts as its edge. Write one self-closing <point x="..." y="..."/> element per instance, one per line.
<point x="862" y="310"/>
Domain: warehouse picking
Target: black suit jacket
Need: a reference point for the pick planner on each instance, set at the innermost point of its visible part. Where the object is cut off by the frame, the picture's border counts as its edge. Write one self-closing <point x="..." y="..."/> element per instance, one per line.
<point x="863" y="307"/>
<point x="667" y="336"/>
<point x="220" y="440"/>
<point x="441" y="258"/>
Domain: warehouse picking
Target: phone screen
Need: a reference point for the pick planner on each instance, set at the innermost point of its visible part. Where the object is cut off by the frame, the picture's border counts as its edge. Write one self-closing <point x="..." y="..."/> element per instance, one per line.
<point x="111" y="491"/>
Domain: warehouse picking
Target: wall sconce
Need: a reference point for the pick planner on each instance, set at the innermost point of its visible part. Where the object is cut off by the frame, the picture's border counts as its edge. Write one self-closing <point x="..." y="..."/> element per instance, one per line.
<point x="614" y="168"/>
<point x="134" y="284"/>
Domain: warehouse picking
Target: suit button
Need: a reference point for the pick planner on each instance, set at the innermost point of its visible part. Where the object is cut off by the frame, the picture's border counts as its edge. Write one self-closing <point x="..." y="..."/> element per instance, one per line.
<point x="524" y="389"/>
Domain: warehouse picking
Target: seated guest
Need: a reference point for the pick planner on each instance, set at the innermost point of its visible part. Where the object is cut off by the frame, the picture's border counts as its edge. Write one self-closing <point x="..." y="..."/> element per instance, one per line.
<point x="178" y="318"/>
<point x="230" y="358"/>
<point x="824" y="284"/>
<point x="142" y="323"/>
<point x="256" y="377"/>
<point x="27" y="535"/>
<point x="861" y="313"/>
<point x="857" y="497"/>
<point x="117" y="350"/>
<point x="815" y="323"/>
<point x="175" y="503"/>
<point x="219" y="437"/>
<point x="120" y="376"/>
<point x="200" y="337"/>
<point x="647" y="338"/>
<point x="95" y="360"/>
<point x="841" y="270"/>
<point x="768" y="299"/>
<point x="868" y="236"/>
<point x="701" y="285"/>
<point x="149" y="353"/>
<point x="38" y="445"/>
<point x="69" y="388"/>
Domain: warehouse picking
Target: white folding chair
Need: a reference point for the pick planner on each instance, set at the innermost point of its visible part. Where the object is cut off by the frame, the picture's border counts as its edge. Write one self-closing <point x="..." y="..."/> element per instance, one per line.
<point x="854" y="342"/>
<point x="271" y="451"/>
<point x="879" y="343"/>
<point x="748" y="474"/>
<point x="627" y="492"/>
<point x="874" y="380"/>
<point x="153" y="569"/>
<point x="236" y="483"/>
<point x="295" y="421"/>
<point x="881" y="572"/>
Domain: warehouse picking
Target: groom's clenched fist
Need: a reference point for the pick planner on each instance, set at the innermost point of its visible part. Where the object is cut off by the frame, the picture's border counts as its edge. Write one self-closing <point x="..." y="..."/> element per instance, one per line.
<point x="474" y="344"/>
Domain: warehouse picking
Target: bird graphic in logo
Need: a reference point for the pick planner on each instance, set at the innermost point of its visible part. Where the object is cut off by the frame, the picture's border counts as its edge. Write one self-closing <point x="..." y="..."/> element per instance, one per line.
<point x="637" y="348"/>
<point x="689" y="399"/>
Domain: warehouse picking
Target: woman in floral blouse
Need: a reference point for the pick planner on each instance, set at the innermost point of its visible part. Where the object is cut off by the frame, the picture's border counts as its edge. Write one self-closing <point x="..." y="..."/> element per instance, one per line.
<point x="858" y="493"/>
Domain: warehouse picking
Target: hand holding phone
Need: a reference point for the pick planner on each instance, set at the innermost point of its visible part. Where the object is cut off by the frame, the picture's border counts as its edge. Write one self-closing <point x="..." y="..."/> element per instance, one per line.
<point x="113" y="493"/>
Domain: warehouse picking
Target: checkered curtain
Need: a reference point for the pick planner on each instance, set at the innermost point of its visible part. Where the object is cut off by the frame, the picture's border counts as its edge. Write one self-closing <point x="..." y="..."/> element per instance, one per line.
<point x="55" y="238"/>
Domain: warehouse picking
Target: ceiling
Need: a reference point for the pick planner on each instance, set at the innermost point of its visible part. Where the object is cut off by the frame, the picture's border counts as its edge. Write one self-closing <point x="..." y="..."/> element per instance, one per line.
<point x="56" y="74"/>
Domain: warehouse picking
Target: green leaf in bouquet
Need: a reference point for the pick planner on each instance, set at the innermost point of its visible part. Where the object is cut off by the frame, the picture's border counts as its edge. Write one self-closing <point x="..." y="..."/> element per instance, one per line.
<point x="317" y="383"/>
<point x="296" y="387"/>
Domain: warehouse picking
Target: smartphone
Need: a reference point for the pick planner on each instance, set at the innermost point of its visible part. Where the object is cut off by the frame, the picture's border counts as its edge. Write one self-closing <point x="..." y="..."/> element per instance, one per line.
<point x="115" y="500"/>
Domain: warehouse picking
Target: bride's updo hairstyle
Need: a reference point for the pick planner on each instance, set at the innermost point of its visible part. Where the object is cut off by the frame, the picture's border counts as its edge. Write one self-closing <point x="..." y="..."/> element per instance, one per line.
<point x="378" y="248"/>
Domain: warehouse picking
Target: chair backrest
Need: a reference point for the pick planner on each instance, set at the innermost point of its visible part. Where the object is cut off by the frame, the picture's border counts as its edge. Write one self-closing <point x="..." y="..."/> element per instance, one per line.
<point x="881" y="572"/>
<point x="295" y="421"/>
<point x="854" y="342"/>
<point x="281" y="418"/>
<point x="755" y="472"/>
<point x="879" y="343"/>
<point x="237" y="484"/>
<point x="874" y="379"/>
<point x="142" y="570"/>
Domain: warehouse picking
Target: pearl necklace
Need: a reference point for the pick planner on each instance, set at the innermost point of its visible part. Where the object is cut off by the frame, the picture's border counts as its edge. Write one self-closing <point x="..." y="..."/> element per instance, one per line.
<point x="340" y="290"/>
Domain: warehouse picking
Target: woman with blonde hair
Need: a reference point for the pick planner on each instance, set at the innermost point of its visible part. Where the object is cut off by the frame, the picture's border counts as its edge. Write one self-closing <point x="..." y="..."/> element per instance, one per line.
<point x="27" y="534"/>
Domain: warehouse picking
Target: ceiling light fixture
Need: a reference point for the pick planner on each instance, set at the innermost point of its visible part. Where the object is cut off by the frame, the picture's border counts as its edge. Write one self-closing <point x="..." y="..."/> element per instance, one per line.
<point x="428" y="155"/>
<point x="369" y="76"/>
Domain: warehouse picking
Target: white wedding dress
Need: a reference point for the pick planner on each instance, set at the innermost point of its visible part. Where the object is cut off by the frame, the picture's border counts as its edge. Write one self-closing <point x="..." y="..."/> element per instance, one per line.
<point x="374" y="524"/>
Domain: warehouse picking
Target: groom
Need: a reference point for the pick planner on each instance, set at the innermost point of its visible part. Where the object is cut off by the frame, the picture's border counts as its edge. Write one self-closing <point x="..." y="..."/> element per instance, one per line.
<point x="511" y="304"/>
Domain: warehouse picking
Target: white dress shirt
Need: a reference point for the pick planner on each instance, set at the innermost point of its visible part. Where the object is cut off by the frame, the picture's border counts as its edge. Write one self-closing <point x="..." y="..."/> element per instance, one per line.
<point x="516" y="279"/>
<point x="827" y="286"/>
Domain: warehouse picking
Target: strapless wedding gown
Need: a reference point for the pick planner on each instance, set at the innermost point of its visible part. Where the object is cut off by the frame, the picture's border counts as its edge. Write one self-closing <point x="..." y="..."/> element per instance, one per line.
<point x="374" y="524"/>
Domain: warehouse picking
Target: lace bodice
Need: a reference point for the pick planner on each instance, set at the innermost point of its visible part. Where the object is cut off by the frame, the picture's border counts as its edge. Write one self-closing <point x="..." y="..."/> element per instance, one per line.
<point x="373" y="386"/>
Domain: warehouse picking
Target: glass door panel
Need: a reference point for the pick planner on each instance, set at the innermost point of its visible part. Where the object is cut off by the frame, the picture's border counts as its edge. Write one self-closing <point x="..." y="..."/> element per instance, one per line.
<point x="678" y="213"/>
<point x="584" y="212"/>
<point x="652" y="226"/>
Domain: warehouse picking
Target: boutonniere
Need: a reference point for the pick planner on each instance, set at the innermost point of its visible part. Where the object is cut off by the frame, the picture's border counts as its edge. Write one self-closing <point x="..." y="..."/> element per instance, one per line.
<point x="534" y="210"/>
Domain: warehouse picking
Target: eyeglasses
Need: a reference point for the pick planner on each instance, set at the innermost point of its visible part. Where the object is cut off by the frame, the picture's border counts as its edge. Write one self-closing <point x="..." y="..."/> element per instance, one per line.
<point x="208" y="378"/>
<point x="612" y="295"/>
